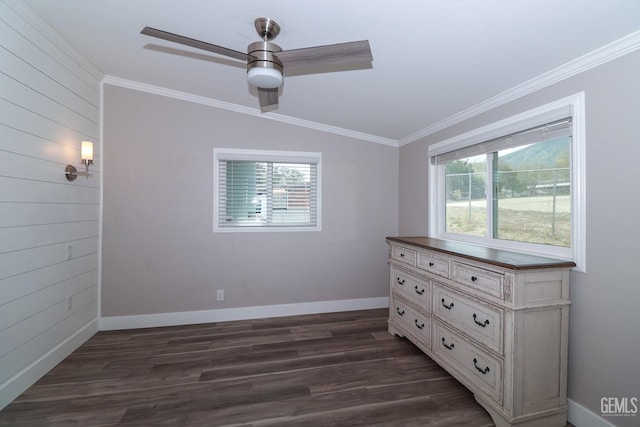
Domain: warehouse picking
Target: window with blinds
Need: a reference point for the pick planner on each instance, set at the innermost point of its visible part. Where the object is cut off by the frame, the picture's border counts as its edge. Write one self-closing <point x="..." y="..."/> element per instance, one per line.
<point x="266" y="190"/>
<point x="516" y="185"/>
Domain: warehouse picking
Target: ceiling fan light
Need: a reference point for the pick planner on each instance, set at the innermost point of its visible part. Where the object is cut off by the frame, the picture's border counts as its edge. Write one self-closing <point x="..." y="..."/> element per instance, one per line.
<point x="266" y="78"/>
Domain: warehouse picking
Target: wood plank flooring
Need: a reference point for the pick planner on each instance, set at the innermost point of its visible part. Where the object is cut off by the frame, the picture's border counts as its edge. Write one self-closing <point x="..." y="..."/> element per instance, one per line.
<point x="338" y="369"/>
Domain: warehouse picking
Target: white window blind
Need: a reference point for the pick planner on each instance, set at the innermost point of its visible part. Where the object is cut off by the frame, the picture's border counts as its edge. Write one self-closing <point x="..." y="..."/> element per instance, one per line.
<point x="266" y="190"/>
<point x="548" y="131"/>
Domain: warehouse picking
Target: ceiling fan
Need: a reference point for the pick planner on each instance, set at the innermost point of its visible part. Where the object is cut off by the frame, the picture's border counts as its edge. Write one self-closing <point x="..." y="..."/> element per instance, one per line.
<point x="267" y="62"/>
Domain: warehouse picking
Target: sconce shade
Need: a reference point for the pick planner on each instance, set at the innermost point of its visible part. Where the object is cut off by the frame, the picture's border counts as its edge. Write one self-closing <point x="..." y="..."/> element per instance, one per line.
<point x="86" y="155"/>
<point x="86" y="152"/>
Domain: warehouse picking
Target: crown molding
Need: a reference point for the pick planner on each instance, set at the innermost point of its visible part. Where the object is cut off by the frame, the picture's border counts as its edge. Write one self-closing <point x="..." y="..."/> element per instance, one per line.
<point x="197" y="99"/>
<point x="606" y="53"/>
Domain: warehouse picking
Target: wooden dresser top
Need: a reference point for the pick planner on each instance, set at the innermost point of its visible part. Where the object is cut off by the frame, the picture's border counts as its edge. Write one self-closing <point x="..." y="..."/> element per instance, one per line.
<point x="498" y="257"/>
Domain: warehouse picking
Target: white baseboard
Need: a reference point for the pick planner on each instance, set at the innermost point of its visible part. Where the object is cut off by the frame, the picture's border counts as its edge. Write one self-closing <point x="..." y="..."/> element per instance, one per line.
<point x="239" y="313"/>
<point x="24" y="379"/>
<point x="580" y="416"/>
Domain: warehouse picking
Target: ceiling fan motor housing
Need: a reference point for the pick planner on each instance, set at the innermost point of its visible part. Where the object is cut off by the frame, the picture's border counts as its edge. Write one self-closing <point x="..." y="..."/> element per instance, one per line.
<point x="265" y="71"/>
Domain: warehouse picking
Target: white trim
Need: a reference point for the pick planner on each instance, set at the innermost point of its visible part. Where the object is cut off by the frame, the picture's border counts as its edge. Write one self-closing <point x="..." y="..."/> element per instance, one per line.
<point x="580" y="416"/>
<point x="579" y="182"/>
<point x="573" y="106"/>
<point x="606" y="53"/>
<point x="239" y="313"/>
<point x="28" y="376"/>
<point x="265" y="156"/>
<point x="100" y="198"/>
<point x="183" y="96"/>
<point x="242" y="154"/>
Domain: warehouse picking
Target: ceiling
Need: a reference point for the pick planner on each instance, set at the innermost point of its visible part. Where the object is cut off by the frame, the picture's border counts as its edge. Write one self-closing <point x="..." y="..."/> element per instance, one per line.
<point x="432" y="58"/>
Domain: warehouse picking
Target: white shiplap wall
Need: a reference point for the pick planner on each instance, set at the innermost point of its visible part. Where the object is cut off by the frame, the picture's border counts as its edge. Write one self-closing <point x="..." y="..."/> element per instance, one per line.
<point x="49" y="103"/>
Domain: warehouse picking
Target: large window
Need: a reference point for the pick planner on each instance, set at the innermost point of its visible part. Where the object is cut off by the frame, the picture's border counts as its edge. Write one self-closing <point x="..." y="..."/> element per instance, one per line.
<point x="266" y="190"/>
<point x="517" y="184"/>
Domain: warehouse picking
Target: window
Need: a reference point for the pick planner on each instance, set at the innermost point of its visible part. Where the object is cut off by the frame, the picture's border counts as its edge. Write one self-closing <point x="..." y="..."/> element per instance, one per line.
<point x="517" y="184"/>
<point x="266" y="190"/>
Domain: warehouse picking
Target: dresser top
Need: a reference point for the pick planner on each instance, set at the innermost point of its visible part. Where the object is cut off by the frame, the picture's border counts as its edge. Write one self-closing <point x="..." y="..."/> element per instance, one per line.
<point x="498" y="257"/>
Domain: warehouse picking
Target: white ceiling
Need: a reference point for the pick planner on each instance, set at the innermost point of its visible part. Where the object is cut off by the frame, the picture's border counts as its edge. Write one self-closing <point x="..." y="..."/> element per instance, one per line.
<point x="432" y="58"/>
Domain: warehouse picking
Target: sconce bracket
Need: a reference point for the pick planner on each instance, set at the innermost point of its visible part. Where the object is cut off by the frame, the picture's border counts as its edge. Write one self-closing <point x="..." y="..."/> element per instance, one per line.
<point x="71" y="172"/>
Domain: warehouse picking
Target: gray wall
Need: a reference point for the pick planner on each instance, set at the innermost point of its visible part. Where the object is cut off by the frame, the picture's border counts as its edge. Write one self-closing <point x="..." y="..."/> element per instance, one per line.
<point x="604" y="336"/>
<point x="159" y="252"/>
<point x="49" y="103"/>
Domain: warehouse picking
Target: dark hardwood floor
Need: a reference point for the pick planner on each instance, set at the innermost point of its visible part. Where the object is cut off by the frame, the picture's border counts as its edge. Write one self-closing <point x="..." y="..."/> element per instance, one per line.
<point x="339" y="369"/>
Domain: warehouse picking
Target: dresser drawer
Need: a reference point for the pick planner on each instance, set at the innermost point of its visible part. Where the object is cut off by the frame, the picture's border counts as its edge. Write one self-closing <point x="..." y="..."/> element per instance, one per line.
<point x="413" y="288"/>
<point x="478" y="278"/>
<point x="402" y="254"/>
<point x="433" y="264"/>
<point x="411" y="321"/>
<point x="474" y="365"/>
<point x="481" y="322"/>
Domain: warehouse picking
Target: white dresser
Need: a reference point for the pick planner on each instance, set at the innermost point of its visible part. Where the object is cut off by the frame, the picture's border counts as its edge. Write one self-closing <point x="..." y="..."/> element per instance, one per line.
<point x="496" y="320"/>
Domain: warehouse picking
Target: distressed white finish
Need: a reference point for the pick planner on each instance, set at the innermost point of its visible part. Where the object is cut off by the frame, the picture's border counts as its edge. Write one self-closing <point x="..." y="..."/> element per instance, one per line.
<point x="500" y="331"/>
<point x="49" y="103"/>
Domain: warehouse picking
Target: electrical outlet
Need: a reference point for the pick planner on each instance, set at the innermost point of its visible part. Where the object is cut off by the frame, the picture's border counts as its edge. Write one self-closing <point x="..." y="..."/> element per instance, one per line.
<point x="69" y="302"/>
<point x="220" y="295"/>
<point x="69" y="252"/>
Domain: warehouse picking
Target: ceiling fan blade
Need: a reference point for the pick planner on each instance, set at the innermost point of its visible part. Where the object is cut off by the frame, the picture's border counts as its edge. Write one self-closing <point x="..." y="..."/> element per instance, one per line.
<point x="153" y="32"/>
<point x="333" y="54"/>
<point x="267" y="97"/>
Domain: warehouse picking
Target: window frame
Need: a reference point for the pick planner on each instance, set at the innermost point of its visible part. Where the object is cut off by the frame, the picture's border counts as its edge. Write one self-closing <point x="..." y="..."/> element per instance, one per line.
<point x="271" y="156"/>
<point x="572" y="106"/>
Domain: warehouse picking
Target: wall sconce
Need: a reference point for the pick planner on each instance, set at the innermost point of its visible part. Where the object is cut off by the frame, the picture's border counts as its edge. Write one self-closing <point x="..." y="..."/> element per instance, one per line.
<point x="86" y="154"/>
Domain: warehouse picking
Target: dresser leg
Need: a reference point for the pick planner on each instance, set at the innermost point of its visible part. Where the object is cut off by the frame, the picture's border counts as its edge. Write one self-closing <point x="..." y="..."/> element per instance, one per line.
<point x="394" y="331"/>
<point x="557" y="418"/>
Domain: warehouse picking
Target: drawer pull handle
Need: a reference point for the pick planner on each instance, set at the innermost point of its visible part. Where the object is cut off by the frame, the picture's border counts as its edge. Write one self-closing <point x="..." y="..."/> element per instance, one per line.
<point x="401" y="313"/>
<point x="418" y="325"/>
<point x="448" y="307"/>
<point x="419" y="292"/>
<point x="448" y="347"/>
<point x="482" y="371"/>
<point x="474" y="278"/>
<point x="401" y="255"/>
<point x="483" y="324"/>
<point x="400" y="281"/>
<point x="431" y="264"/>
